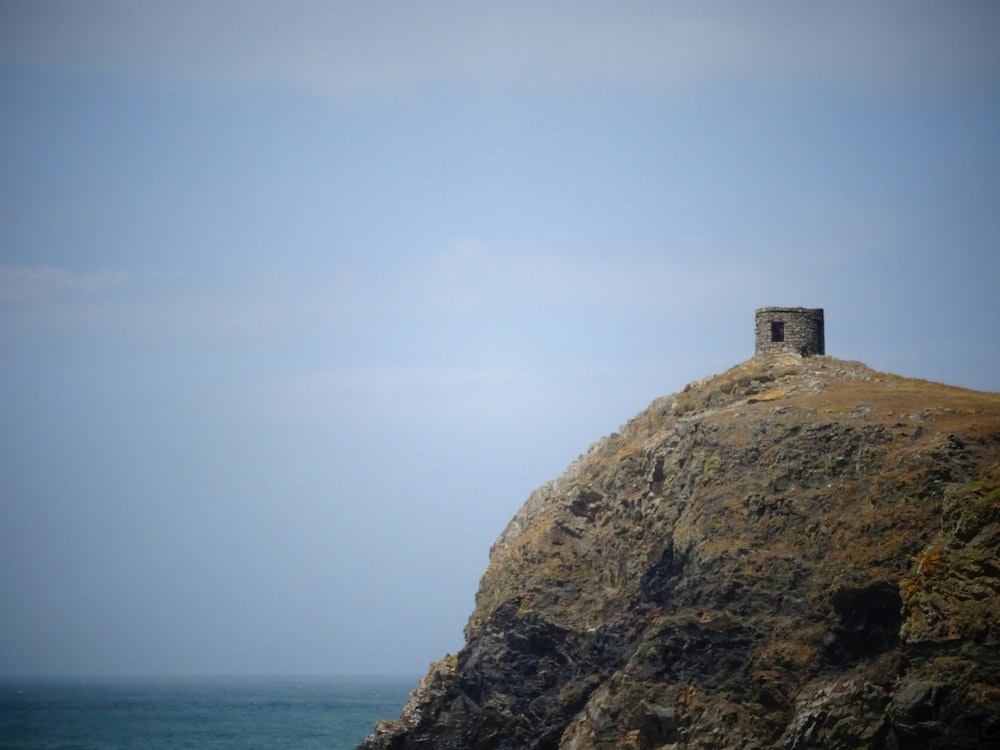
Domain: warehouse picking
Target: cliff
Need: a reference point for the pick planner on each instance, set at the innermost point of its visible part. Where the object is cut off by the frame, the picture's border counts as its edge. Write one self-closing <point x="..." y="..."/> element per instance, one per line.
<point x="797" y="553"/>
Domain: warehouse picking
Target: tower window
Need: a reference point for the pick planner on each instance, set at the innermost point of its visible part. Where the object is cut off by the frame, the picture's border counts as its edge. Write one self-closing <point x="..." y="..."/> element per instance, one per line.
<point x="777" y="331"/>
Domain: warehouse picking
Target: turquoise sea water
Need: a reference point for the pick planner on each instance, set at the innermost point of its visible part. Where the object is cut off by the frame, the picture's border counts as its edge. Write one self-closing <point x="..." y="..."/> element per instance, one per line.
<point x="210" y="713"/>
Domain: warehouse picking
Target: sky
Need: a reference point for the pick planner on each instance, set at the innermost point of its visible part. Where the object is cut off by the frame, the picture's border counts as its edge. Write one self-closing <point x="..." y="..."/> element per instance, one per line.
<point x="299" y="301"/>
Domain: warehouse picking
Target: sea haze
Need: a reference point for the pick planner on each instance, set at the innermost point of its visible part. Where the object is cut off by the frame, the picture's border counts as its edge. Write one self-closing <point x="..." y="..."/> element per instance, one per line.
<point x="214" y="713"/>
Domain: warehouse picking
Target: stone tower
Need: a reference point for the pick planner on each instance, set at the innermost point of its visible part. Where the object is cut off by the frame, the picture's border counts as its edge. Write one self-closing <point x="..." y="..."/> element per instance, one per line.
<point x="798" y="330"/>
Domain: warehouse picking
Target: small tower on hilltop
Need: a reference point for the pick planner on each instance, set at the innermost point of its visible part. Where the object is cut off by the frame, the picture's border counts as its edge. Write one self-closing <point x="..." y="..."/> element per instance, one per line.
<point x="797" y="330"/>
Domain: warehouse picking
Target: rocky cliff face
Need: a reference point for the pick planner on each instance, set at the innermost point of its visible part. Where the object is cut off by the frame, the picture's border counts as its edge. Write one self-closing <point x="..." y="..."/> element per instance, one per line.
<point x="798" y="553"/>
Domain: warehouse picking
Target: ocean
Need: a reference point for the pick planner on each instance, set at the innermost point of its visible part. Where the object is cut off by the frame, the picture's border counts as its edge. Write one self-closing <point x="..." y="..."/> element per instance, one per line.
<point x="195" y="713"/>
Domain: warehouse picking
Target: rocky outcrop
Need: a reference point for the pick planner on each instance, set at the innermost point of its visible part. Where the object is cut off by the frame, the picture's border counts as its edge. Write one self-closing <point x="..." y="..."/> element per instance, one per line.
<point x="798" y="553"/>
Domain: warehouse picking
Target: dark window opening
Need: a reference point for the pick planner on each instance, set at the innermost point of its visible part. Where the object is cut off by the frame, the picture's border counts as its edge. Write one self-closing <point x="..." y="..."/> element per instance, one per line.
<point x="777" y="331"/>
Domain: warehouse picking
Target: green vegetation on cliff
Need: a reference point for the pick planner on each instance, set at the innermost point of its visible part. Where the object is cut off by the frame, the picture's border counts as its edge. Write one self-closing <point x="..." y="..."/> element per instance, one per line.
<point x="796" y="553"/>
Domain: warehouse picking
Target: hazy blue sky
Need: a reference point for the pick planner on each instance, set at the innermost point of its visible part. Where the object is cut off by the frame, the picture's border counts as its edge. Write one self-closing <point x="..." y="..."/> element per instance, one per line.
<point x="299" y="301"/>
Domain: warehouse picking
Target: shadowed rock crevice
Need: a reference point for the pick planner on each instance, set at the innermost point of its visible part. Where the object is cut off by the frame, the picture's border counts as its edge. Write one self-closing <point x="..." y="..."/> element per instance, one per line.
<point x="868" y="622"/>
<point x="655" y="586"/>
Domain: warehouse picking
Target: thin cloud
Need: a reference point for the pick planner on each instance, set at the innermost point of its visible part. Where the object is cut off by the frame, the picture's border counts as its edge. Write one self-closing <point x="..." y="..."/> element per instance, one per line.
<point x="43" y="282"/>
<point x="352" y="49"/>
<point x="357" y="395"/>
<point x="488" y="303"/>
<point x="529" y="276"/>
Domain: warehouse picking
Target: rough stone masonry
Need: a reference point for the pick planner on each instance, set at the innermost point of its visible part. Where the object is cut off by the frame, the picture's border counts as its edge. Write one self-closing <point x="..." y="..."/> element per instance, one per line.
<point x="797" y="330"/>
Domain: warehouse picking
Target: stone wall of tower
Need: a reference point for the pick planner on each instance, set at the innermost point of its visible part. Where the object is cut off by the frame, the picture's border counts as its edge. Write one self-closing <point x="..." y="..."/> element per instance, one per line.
<point x="797" y="330"/>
